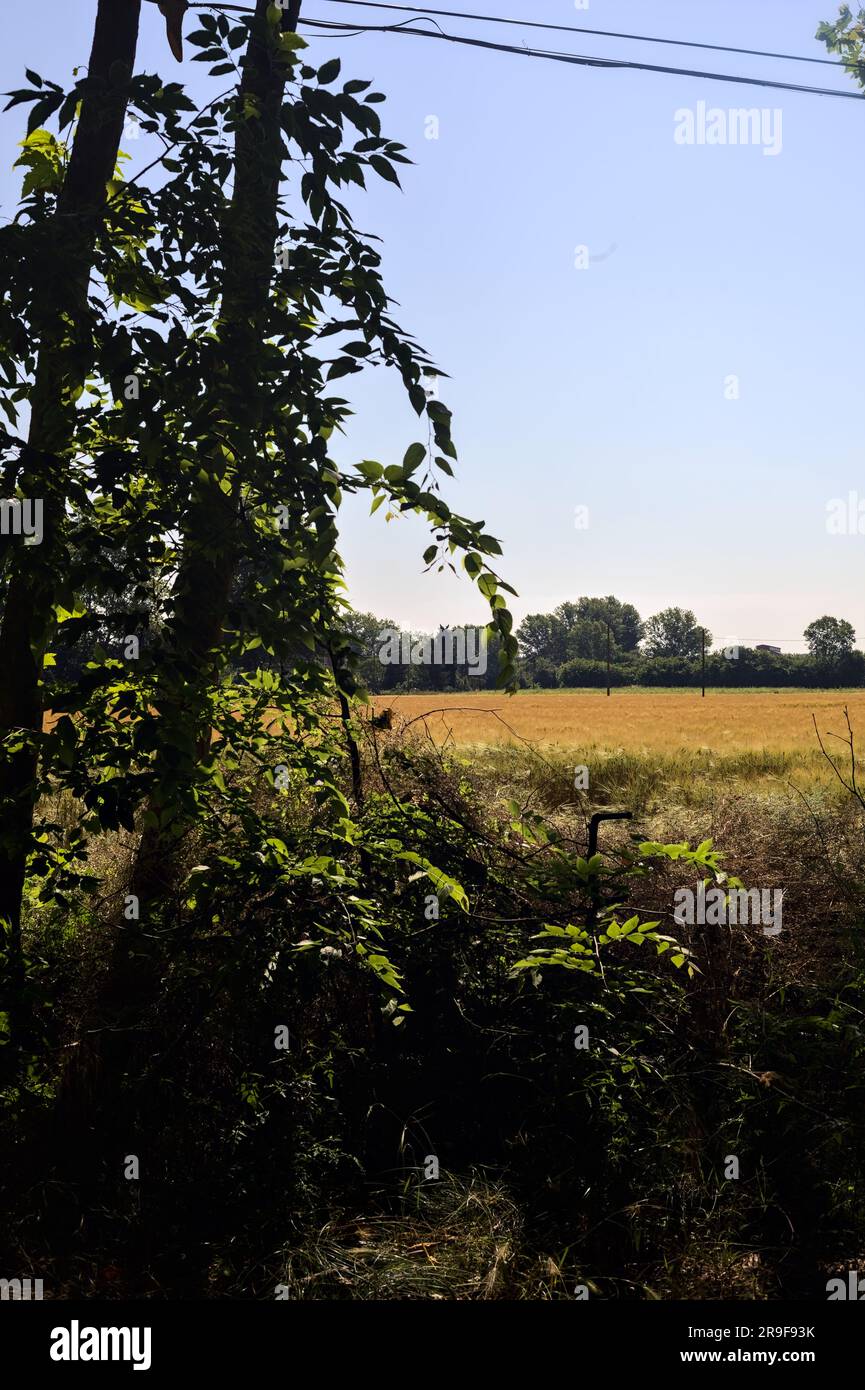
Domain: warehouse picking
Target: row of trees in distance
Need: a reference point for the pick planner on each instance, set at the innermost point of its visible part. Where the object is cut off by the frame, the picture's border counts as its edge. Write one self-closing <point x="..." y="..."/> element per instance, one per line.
<point x="572" y="645"/>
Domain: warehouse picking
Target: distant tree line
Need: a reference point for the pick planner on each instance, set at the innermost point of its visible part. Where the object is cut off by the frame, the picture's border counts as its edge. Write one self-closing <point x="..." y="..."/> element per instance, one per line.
<point x="558" y="650"/>
<point x="571" y="646"/>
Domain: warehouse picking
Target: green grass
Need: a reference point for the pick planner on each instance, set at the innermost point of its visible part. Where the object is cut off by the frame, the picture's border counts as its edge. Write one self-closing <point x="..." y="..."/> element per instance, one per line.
<point x="650" y="780"/>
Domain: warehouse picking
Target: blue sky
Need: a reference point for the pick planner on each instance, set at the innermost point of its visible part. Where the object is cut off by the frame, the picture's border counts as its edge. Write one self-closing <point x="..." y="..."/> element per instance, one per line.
<point x="607" y="387"/>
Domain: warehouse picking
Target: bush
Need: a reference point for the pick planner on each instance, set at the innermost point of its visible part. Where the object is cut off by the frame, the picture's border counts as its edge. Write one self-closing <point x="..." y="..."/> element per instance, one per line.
<point x="583" y="672"/>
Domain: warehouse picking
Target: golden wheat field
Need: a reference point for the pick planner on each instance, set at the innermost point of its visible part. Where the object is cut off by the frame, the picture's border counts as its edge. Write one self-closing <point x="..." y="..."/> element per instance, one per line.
<point x="725" y="722"/>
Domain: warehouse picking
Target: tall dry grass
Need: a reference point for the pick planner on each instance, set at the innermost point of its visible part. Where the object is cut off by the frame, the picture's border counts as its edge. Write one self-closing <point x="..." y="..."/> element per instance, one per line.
<point x="645" y="749"/>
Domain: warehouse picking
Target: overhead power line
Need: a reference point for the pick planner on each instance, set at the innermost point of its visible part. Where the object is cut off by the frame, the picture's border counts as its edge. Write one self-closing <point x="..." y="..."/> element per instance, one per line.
<point x="577" y="29"/>
<point x="579" y="60"/>
<point x="549" y="54"/>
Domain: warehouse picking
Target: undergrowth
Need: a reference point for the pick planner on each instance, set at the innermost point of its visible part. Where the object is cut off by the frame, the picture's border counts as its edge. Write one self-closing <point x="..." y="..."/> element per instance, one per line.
<point x="432" y="1129"/>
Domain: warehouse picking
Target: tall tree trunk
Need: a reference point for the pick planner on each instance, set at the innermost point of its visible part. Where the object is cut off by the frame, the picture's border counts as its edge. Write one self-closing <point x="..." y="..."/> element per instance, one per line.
<point x="98" y="1090"/>
<point x="210" y="534"/>
<point x="61" y="324"/>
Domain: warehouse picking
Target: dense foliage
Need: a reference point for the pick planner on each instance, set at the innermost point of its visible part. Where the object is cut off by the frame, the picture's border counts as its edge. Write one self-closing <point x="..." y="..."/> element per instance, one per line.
<point x="271" y="969"/>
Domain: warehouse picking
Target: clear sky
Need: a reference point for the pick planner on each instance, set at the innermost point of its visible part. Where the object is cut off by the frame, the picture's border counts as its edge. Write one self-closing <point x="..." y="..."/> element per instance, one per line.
<point x="608" y="387"/>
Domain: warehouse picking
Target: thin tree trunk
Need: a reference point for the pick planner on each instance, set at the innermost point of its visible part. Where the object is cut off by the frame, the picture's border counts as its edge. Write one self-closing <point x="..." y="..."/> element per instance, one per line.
<point x="61" y="326"/>
<point x="210" y="536"/>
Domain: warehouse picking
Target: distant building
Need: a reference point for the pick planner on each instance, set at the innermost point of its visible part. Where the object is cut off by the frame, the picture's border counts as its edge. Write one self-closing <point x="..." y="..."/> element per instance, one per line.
<point x="764" y="647"/>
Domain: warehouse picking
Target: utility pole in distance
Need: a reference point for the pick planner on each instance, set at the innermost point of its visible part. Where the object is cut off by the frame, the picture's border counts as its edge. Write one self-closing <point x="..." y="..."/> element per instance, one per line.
<point x="608" y="659"/>
<point x="703" y="644"/>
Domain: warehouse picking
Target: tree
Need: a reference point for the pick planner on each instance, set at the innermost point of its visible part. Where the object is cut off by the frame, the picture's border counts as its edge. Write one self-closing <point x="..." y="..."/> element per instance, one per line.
<point x="829" y="640"/>
<point x="56" y="253"/>
<point x="200" y="452"/>
<point x="588" y="639"/>
<point x="847" y="38"/>
<point x="364" y="631"/>
<point x="211" y="545"/>
<point x="256" y="439"/>
<point x="675" y="632"/>
<point x="576" y="630"/>
<point x="541" y="638"/>
<point x="623" y="619"/>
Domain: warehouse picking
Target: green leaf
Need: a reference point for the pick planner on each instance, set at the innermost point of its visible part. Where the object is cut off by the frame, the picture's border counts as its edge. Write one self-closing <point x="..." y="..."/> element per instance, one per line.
<point x="343" y="366"/>
<point x="385" y="169"/>
<point x="370" y="469"/>
<point x="293" y="42"/>
<point x="414" y="457"/>
<point x="329" y="71"/>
